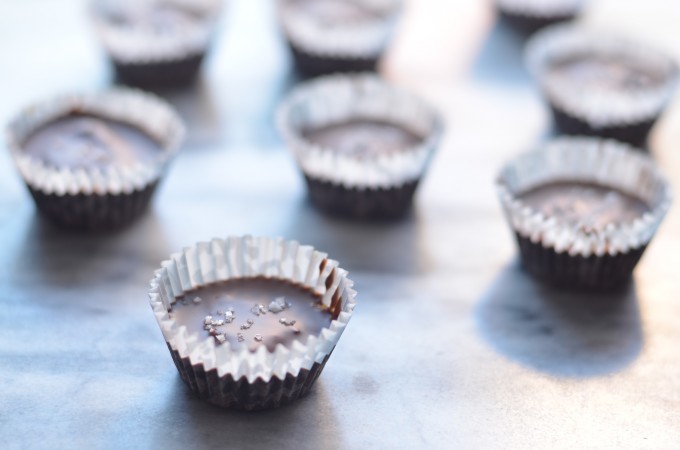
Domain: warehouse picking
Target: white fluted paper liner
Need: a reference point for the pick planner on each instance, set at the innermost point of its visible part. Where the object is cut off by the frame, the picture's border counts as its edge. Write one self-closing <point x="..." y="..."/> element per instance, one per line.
<point x="603" y="162"/>
<point x="600" y="107"/>
<point x="365" y="39"/>
<point x="139" y="109"/>
<point x="245" y="257"/>
<point x="141" y="44"/>
<point x="338" y="98"/>
<point x="541" y="8"/>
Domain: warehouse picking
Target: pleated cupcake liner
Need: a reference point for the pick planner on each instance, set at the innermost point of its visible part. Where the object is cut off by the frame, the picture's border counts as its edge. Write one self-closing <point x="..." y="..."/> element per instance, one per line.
<point x="624" y="115"/>
<point x="97" y="198"/>
<point x="239" y="378"/>
<point x="634" y="134"/>
<point x="576" y="272"/>
<point x="159" y="74"/>
<point x="566" y="254"/>
<point x="528" y="24"/>
<point x="311" y="65"/>
<point x="530" y="16"/>
<point x="319" y="49"/>
<point x="370" y="204"/>
<point x="146" y="59"/>
<point x="94" y="212"/>
<point x="241" y="394"/>
<point x="376" y="185"/>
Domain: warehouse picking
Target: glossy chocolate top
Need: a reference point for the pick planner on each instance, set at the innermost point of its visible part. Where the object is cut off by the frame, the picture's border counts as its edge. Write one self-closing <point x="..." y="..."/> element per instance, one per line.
<point x="362" y="136"/>
<point x="89" y="142"/>
<point x="250" y="312"/>
<point x="589" y="206"/>
<point x="605" y="72"/>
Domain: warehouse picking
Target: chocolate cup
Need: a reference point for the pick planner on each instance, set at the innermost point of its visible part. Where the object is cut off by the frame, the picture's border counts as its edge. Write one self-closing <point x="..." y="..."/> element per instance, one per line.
<point x="562" y="252"/>
<point x="92" y="212"/>
<point x="97" y="199"/>
<point x="527" y="24"/>
<point x="379" y="185"/>
<point x="367" y="203"/>
<point x="592" y="273"/>
<point x="240" y="378"/>
<point x="635" y="133"/>
<point x="143" y="58"/>
<point x="240" y="394"/>
<point x="624" y="115"/>
<point x="309" y="65"/>
<point x="159" y="74"/>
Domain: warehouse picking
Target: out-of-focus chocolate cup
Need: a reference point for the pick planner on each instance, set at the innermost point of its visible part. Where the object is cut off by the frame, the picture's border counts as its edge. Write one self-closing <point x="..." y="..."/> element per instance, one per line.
<point x="239" y="378"/>
<point x="156" y="43"/>
<point x="97" y="198"/>
<point x="360" y="185"/>
<point x="529" y="16"/>
<point x="571" y="254"/>
<point x="331" y="36"/>
<point x="600" y="84"/>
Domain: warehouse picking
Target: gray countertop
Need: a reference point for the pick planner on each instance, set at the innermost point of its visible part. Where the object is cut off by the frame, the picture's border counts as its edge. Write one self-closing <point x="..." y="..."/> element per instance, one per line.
<point x="451" y="345"/>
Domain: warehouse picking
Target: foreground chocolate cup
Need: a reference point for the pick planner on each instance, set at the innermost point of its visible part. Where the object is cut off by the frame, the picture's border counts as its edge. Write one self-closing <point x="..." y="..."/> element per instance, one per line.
<point x="626" y="115"/>
<point x="320" y="48"/>
<point x="241" y="379"/>
<point x="143" y="56"/>
<point x="377" y="185"/>
<point x="97" y="198"/>
<point x="529" y="16"/>
<point x="568" y="255"/>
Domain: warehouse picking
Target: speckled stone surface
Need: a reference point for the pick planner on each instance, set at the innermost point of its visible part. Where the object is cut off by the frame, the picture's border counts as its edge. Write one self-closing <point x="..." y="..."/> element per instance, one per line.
<point x="451" y="345"/>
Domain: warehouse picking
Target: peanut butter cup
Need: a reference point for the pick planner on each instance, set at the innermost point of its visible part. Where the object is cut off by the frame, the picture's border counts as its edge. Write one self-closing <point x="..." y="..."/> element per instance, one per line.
<point x="156" y="43"/>
<point x="583" y="210"/>
<point x="93" y="161"/>
<point x="251" y="322"/>
<point x="601" y="84"/>
<point x="328" y="36"/>
<point x="361" y="144"/>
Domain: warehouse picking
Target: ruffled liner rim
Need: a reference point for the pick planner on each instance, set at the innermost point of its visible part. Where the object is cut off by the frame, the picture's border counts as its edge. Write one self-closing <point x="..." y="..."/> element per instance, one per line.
<point x="583" y="159"/>
<point x="332" y="99"/>
<point x="557" y="41"/>
<point x="140" y="48"/>
<point x="137" y="108"/>
<point x="245" y="257"/>
<point x="356" y="41"/>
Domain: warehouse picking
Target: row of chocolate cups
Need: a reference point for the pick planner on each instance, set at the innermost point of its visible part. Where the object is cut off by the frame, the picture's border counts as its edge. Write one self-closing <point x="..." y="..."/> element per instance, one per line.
<point x="360" y="185"/>
<point x="164" y="42"/>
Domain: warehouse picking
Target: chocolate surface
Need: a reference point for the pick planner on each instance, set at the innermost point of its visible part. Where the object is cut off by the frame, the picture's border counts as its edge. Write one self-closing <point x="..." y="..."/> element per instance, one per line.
<point x="335" y="12"/>
<point x="604" y="72"/>
<point x="87" y="141"/>
<point x="249" y="312"/>
<point x="362" y="136"/>
<point x="585" y="205"/>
